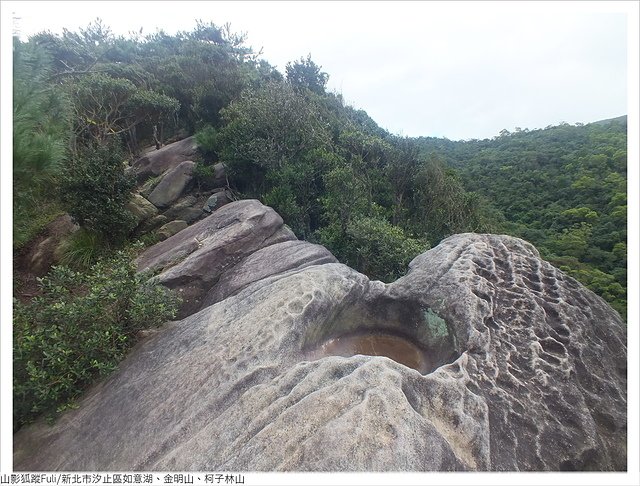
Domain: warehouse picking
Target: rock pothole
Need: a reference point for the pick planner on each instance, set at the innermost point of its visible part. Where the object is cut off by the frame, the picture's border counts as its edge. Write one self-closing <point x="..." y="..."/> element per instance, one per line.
<point x="397" y="348"/>
<point x="404" y="331"/>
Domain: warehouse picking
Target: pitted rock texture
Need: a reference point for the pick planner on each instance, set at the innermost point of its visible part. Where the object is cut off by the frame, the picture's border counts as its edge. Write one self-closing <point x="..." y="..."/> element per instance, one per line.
<point x="528" y="373"/>
<point x="194" y="259"/>
<point x="156" y="162"/>
<point x="271" y="260"/>
<point x="548" y="355"/>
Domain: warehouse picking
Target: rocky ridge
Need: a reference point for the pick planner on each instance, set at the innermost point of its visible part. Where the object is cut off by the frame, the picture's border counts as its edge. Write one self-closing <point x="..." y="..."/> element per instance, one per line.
<point x="518" y="367"/>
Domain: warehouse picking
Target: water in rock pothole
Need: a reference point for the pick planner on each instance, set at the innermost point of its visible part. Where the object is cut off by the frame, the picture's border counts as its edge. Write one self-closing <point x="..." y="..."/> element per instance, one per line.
<point x="394" y="347"/>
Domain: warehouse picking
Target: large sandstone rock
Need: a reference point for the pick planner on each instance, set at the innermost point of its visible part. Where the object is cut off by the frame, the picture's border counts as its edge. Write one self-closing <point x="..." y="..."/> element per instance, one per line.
<point x="272" y="260"/>
<point x="193" y="260"/>
<point x="168" y="157"/>
<point x="173" y="184"/>
<point x="508" y="365"/>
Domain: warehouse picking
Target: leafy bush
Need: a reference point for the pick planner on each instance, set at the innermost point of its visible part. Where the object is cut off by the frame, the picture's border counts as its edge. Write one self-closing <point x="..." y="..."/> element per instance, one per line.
<point x="373" y="246"/>
<point x="79" y="329"/>
<point x="207" y="140"/>
<point x="96" y="191"/>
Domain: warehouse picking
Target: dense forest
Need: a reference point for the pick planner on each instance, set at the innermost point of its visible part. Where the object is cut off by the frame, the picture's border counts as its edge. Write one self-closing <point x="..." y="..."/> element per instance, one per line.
<point x="563" y="188"/>
<point x="87" y="102"/>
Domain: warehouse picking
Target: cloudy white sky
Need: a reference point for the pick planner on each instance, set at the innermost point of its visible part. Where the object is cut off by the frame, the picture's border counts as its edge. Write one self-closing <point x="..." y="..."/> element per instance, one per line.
<point x="455" y="69"/>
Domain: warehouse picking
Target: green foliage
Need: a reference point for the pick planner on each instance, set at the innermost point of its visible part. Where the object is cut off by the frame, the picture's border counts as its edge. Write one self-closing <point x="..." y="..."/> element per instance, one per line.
<point x="605" y="285"/>
<point x="207" y="139"/>
<point x="305" y="74"/>
<point x="330" y="171"/>
<point x="79" y="329"/>
<point x="96" y="191"/>
<point x="208" y="146"/>
<point x="562" y="188"/>
<point x="82" y="248"/>
<point x="374" y="246"/>
<point x="267" y="129"/>
<point x="572" y="242"/>
<point x="106" y="106"/>
<point x="40" y="115"/>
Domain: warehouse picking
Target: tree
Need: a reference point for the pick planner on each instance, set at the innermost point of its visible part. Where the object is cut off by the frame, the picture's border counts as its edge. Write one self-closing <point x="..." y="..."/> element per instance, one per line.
<point x="400" y="172"/>
<point x="106" y="106"/>
<point x="267" y="129"/>
<point x="306" y="74"/>
<point x="372" y="245"/>
<point x="41" y="115"/>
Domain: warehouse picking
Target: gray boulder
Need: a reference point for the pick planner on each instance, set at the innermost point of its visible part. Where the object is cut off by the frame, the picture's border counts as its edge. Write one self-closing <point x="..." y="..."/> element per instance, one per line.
<point x="218" y="178"/>
<point x="484" y="357"/>
<point x="217" y="200"/>
<point x="219" y="175"/>
<point x="173" y="184"/>
<point x="171" y="228"/>
<point x="141" y="208"/>
<point x="187" y="209"/>
<point x="154" y="163"/>
<point x="194" y="259"/>
<point x="152" y="224"/>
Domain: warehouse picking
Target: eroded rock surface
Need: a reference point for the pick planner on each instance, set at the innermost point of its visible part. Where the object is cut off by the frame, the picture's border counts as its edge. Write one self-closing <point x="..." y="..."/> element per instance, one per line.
<point x="526" y="371"/>
<point x="266" y="262"/>
<point x="141" y="208"/>
<point x="194" y="259"/>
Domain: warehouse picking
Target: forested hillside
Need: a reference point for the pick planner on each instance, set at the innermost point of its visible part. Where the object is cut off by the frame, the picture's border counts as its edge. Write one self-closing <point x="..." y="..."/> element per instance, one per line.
<point x="87" y="101"/>
<point x="563" y="188"/>
<point x="87" y="104"/>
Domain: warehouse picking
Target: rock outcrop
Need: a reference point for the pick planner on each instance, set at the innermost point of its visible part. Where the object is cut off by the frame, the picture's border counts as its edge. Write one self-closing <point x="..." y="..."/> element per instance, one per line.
<point x="169" y="193"/>
<point x="509" y="365"/>
<point x="141" y="208"/>
<point x="271" y="260"/>
<point x="193" y="260"/>
<point x="157" y="162"/>
<point x="171" y="228"/>
<point x="173" y="184"/>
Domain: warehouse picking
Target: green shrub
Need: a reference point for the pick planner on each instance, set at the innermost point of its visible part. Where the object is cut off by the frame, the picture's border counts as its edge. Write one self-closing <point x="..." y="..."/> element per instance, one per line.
<point x="204" y="173"/>
<point x="207" y="140"/>
<point x="373" y="246"/>
<point x="79" y="329"/>
<point x="96" y="191"/>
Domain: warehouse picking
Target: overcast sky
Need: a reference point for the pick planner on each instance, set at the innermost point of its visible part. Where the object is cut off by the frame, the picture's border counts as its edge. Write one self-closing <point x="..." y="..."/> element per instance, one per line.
<point x="457" y="70"/>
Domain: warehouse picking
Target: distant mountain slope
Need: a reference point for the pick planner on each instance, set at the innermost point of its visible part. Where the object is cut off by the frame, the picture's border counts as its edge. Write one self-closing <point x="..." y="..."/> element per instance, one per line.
<point x="563" y="188"/>
<point x="618" y="119"/>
